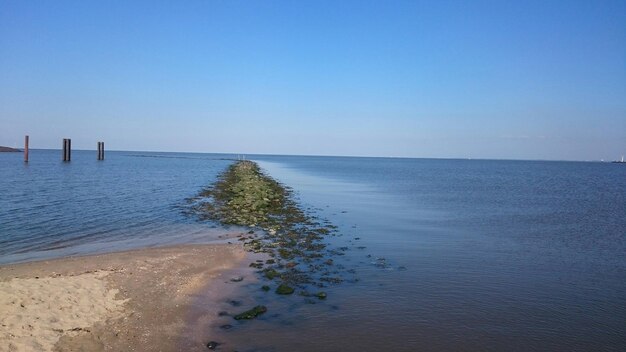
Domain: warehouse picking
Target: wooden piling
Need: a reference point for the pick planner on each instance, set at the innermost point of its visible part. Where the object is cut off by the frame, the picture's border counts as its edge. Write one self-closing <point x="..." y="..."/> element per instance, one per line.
<point x="26" y="149"/>
<point x="100" y="150"/>
<point x="67" y="149"/>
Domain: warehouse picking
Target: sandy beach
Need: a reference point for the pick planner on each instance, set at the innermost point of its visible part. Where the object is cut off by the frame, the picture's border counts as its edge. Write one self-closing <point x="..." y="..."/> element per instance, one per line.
<point x="126" y="301"/>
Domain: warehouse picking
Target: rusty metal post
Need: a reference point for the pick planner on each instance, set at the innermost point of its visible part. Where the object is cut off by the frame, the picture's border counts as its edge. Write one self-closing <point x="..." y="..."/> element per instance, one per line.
<point x="26" y="149"/>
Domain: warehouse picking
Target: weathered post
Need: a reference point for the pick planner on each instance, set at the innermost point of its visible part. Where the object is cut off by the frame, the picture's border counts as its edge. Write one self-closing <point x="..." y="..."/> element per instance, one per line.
<point x="100" y="150"/>
<point x="26" y="149"/>
<point x="67" y="149"/>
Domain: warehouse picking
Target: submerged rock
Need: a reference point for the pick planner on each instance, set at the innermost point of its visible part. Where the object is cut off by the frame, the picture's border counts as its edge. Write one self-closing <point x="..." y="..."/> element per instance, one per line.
<point x="212" y="345"/>
<point x="271" y="274"/>
<point x="256" y="265"/>
<point x="252" y="313"/>
<point x="283" y="289"/>
<point x="294" y="239"/>
<point x="321" y="295"/>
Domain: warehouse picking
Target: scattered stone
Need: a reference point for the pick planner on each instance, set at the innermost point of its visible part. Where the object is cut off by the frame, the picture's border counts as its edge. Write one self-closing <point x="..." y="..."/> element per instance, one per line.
<point x="271" y="274"/>
<point x="237" y="279"/>
<point x="332" y="280"/>
<point x="222" y="313"/>
<point x="245" y="196"/>
<point x="321" y="295"/>
<point x="226" y="327"/>
<point x="212" y="345"/>
<point x="252" y="313"/>
<point x="285" y="253"/>
<point x="235" y="303"/>
<point x="283" y="289"/>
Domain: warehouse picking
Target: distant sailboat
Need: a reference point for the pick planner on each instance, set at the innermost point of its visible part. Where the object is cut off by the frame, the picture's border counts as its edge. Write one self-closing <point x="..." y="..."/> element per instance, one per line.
<point x="620" y="161"/>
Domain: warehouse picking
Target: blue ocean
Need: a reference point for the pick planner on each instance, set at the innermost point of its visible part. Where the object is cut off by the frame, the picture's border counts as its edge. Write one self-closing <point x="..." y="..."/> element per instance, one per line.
<point x="449" y="255"/>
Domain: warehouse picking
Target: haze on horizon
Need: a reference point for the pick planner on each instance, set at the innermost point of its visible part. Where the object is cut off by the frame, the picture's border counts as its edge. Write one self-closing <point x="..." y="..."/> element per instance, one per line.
<point x="451" y="79"/>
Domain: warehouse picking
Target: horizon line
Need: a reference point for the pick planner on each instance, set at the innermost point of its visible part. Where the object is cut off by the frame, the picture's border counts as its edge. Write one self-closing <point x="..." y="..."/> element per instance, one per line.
<point x="336" y="156"/>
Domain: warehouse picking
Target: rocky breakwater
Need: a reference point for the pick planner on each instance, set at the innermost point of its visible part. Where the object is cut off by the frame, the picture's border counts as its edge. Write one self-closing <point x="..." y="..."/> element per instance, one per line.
<point x="299" y="261"/>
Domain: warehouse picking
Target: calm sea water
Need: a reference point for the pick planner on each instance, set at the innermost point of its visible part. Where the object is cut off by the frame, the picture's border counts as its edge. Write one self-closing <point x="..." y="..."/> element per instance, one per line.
<point x="132" y="199"/>
<point x="451" y="255"/>
<point x="499" y="256"/>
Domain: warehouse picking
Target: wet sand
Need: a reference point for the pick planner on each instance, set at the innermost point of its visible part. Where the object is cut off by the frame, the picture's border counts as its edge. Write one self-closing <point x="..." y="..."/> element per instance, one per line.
<point x="136" y="300"/>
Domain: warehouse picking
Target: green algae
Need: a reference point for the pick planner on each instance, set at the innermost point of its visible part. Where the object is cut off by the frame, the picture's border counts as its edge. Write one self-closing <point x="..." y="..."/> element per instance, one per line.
<point x="321" y="295"/>
<point x="271" y="274"/>
<point x="283" y="289"/>
<point x="294" y="240"/>
<point x="252" y="313"/>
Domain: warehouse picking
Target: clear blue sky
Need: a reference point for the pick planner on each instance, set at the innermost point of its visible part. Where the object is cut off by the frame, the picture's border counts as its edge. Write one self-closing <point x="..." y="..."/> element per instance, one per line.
<point x="479" y="79"/>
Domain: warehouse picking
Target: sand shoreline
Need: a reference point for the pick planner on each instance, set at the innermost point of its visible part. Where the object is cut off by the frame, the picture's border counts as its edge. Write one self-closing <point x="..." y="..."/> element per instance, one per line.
<point x="134" y="300"/>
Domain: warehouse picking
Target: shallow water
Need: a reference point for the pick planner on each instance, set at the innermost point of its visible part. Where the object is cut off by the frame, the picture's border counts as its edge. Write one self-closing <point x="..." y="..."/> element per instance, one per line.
<point x="132" y="199"/>
<point x="499" y="255"/>
<point x="478" y="255"/>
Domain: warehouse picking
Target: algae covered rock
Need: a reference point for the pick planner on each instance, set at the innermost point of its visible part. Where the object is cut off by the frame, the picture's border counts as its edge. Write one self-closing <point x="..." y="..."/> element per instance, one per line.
<point x="271" y="274"/>
<point x="252" y="313"/>
<point x="283" y="289"/>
